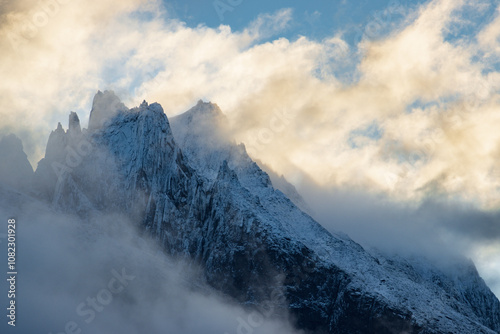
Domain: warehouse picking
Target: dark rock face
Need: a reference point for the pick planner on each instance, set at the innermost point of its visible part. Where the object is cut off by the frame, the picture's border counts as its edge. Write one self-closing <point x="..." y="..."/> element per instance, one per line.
<point x="74" y="124"/>
<point x="252" y="241"/>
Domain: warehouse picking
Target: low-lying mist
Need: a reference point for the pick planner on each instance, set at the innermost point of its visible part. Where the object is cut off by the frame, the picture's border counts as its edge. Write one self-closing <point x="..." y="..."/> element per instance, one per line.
<point x="439" y="229"/>
<point x="100" y="275"/>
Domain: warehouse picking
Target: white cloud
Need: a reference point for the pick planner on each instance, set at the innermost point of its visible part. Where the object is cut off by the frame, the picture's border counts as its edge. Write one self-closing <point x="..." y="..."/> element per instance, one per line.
<point x="489" y="38"/>
<point x="67" y="260"/>
<point x="267" y="25"/>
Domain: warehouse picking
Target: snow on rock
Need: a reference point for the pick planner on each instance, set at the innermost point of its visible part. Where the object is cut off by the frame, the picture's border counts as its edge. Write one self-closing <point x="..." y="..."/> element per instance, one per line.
<point x="204" y="199"/>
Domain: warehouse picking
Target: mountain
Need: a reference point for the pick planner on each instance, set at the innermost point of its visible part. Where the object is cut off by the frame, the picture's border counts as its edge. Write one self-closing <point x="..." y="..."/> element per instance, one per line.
<point x="204" y="200"/>
<point x="203" y="133"/>
<point x="15" y="169"/>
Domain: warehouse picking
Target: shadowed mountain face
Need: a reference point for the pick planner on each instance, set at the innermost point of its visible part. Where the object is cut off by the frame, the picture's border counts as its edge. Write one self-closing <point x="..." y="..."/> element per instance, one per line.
<point x="15" y="169"/>
<point x="204" y="199"/>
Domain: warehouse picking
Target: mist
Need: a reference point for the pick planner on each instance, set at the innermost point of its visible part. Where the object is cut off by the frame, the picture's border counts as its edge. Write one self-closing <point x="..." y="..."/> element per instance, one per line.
<point x="438" y="229"/>
<point x="65" y="264"/>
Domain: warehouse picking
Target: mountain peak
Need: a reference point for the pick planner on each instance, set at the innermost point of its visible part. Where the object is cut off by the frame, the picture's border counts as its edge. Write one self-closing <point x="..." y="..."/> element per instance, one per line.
<point x="13" y="142"/>
<point x="74" y="123"/>
<point x="104" y="106"/>
<point x="15" y="169"/>
<point x="206" y="108"/>
<point x="203" y="117"/>
<point x="199" y="195"/>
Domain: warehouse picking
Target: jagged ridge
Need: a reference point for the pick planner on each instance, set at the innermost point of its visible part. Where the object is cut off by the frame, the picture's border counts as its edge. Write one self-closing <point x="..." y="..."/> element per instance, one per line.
<point x="217" y="207"/>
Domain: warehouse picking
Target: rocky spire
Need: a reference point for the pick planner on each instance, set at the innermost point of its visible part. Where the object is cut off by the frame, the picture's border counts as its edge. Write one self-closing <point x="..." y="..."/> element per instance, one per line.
<point x="74" y="123"/>
<point x="105" y="105"/>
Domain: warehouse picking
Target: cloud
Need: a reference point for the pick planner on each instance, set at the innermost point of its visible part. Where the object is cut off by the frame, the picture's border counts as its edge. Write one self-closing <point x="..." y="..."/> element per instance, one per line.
<point x="267" y="25"/>
<point x="51" y="62"/>
<point x="488" y="38"/>
<point x="414" y="84"/>
<point x="439" y="230"/>
<point x="100" y="276"/>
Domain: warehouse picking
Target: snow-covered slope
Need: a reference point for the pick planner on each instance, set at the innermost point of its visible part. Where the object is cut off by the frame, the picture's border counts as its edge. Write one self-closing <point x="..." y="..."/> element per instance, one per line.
<point x="204" y="199"/>
<point x="205" y="138"/>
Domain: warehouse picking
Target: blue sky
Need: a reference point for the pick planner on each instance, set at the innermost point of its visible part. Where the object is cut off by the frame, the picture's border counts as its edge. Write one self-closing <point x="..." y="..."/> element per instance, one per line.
<point x="315" y="19"/>
<point x="318" y="19"/>
<point x="353" y="21"/>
